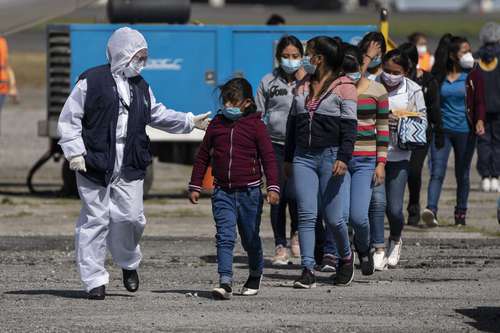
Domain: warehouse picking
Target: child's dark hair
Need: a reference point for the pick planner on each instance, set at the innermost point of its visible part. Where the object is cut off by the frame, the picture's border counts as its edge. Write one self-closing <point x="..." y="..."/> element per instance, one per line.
<point x="414" y="37"/>
<point x="237" y="90"/>
<point x="286" y="41"/>
<point x="374" y="36"/>
<point x="399" y="58"/>
<point x="352" y="58"/>
<point x="448" y="45"/>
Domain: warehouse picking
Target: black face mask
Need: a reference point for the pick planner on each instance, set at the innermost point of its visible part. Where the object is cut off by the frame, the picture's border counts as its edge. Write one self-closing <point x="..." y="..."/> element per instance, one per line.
<point x="488" y="52"/>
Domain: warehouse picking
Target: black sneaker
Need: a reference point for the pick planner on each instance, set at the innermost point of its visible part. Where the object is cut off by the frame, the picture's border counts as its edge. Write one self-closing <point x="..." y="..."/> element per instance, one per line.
<point x="98" y="293"/>
<point x="329" y="263"/>
<point x="252" y="286"/>
<point x="223" y="292"/>
<point x="306" y="281"/>
<point x="366" y="262"/>
<point x="459" y="219"/>
<point x="345" y="272"/>
<point x="413" y="214"/>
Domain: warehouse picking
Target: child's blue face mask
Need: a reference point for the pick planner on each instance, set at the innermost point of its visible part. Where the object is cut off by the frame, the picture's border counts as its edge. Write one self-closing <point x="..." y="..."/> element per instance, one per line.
<point x="232" y="113"/>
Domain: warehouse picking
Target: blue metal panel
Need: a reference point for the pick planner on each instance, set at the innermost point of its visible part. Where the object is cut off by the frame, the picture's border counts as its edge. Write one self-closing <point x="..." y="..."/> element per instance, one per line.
<point x="179" y="60"/>
<point x="181" y="56"/>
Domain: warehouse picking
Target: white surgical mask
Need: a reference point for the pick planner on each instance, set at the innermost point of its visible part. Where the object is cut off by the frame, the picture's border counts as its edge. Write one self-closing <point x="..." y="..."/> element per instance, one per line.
<point x="421" y="49"/>
<point x="134" y="68"/>
<point x="392" y="80"/>
<point x="467" y="61"/>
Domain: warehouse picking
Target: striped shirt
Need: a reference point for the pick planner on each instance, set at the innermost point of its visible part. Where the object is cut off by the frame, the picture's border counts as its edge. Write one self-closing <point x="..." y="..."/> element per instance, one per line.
<point x="373" y="125"/>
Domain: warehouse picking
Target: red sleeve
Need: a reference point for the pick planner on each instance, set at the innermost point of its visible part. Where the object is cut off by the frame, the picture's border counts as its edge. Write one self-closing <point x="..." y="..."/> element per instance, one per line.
<point x="268" y="157"/>
<point x="201" y="163"/>
<point x="479" y="98"/>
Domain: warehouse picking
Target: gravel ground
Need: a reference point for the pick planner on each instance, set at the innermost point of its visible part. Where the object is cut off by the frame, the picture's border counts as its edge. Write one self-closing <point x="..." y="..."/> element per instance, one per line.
<point x="447" y="281"/>
<point x="442" y="285"/>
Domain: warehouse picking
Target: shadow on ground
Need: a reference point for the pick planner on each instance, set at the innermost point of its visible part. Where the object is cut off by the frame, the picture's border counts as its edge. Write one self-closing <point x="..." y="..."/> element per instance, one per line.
<point x="74" y="294"/>
<point x="188" y="292"/>
<point x="487" y="318"/>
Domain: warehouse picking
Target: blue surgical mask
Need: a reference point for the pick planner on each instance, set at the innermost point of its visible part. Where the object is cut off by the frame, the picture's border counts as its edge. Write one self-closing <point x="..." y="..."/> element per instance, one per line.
<point x="375" y="62"/>
<point x="356" y="76"/>
<point x="290" y="66"/>
<point x="308" y="67"/>
<point x="232" y="113"/>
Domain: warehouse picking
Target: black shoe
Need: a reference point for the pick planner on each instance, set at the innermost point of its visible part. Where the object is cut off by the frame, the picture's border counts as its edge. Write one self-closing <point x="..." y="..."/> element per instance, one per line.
<point x="459" y="220"/>
<point x="413" y="214"/>
<point x="97" y="293"/>
<point x="223" y="292"/>
<point x="345" y="272"/>
<point x="460" y="217"/>
<point x="306" y="281"/>
<point x="130" y="280"/>
<point x="366" y="262"/>
<point x="252" y="286"/>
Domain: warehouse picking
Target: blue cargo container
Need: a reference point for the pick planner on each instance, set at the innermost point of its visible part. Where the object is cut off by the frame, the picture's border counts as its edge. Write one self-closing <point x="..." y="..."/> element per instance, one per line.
<point x="186" y="64"/>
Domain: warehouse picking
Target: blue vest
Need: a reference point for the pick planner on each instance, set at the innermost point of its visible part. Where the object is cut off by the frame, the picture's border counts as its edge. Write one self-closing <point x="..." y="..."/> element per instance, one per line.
<point x="99" y="127"/>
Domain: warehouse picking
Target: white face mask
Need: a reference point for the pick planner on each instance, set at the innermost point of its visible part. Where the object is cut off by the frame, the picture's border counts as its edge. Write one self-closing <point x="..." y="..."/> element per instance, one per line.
<point x="134" y="68"/>
<point x="421" y="49"/>
<point x="392" y="80"/>
<point x="467" y="61"/>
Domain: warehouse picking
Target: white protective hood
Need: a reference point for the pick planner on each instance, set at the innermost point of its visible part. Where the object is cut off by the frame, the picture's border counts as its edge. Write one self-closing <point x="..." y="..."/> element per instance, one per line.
<point x="123" y="44"/>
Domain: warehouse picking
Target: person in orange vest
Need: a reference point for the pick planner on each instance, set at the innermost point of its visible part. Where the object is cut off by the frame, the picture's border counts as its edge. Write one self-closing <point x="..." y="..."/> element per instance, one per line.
<point x="425" y="58"/>
<point x="7" y="78"/>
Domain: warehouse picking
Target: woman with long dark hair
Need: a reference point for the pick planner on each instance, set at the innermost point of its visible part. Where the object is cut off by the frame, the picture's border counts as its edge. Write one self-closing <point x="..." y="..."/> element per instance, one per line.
<point x="274" y="98"/>
<point x="463" y="114"/>
<point x="430" y="88"/>
<point x="367" y="166"/>
<point x="404" y="94"/>
<point x="321" y="131"/>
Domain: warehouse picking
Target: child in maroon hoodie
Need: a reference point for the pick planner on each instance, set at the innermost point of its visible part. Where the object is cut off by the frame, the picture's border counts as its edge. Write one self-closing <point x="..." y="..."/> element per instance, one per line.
<point x="237" y="144"/>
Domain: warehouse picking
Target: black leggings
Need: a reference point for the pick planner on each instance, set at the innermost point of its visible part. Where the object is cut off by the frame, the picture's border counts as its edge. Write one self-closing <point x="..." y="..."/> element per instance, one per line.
<point x="415" y="174"/>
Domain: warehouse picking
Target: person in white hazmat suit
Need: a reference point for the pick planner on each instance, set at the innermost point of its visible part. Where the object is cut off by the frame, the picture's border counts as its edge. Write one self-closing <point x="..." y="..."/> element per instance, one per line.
<point x="102" y="129"/>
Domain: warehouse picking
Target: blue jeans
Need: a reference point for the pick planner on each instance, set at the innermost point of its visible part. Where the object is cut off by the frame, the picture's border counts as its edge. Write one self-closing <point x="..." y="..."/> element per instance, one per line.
<point x="463" y="145"/>
<point x="389" y="197"/>
<point x="358" y="184"/>
<point x="278" y="212"/>
<point x="242" y="208"/>
<point x="314" y="182"/>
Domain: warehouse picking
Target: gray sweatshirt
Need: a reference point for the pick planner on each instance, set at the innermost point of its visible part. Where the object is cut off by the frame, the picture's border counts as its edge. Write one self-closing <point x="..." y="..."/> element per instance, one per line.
<point x="274" y="99"/>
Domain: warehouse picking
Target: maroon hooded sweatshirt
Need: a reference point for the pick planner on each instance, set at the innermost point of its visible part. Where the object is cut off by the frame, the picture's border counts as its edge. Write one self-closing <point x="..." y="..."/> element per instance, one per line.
<point x="236" y="150"/>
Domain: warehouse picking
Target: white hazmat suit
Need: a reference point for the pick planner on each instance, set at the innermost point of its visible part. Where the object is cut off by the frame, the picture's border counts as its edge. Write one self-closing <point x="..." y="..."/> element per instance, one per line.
<point x="112" y="217"/>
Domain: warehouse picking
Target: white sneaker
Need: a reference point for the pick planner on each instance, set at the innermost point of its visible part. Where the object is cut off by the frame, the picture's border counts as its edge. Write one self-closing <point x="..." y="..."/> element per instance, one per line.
<point x="379" y="260"/>
<point x="486" y="184"/>
<point x="494" y="185"/>
<point x="429" y="218"/>
<point x="394" y="253"/>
